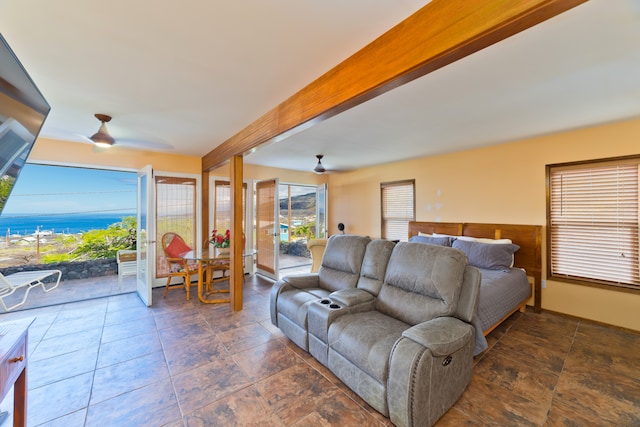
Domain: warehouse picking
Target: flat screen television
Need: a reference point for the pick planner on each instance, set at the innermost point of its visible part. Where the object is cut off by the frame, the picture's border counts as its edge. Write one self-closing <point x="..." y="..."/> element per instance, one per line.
<point x="23" y="111"/>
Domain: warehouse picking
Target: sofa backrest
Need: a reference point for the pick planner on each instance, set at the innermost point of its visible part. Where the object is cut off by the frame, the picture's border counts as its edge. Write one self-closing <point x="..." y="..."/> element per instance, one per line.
<point x="342" y="261"/>
<point x="374" y="265"/>
<point x="422" y="282"/>
<point x="469" y="295"/>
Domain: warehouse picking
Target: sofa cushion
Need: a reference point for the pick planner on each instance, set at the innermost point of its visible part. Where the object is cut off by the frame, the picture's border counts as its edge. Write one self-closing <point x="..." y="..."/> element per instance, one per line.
<point x="294" y="304"/>
<point x="374" y="265"/>
<point x="366" y="340"/>
<point x="342" y="261"/>
<point x="422" y="282"/>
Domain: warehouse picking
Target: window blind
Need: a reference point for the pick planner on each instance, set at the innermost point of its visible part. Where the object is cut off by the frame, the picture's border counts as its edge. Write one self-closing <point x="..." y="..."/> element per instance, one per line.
<point x="175" y="211"/>
<point x="593" y="223"/>
<point x="398" y="208"/>
<point x="222" y="208"/>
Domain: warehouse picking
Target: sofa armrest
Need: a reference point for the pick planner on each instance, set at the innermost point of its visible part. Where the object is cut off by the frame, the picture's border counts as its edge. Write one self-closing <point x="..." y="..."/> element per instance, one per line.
<point x="442" y="335"/>
<point x="351" y="297"/>
<point x="429" y="368"/>
<point x="302" y="281"/>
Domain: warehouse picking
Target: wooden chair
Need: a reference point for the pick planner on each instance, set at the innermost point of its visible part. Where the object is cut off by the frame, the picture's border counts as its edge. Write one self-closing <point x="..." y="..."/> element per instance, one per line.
<point x="173" y="246"/>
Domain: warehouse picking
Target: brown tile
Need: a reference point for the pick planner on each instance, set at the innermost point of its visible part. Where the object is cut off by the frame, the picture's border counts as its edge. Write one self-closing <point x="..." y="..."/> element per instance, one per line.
<point x="206" y="384"/>
<point x="271" y="328"/>
<point x="127" y="376"/>
<point x="556" y="344"/>
<point x="192" y="353"/>
<point x="178" y="334"/>
<point x="296" y="392"/>
<point x="598" y="393"/>
<point x="608" y="347"/>
<point x="128" y="348"/>
<point x="245" y="337"/>
<point x="177" y="317"/>
<point x="545" y="324"/>
<point x="243" y="408"/>
<point x="336" y="409"/>
<point x="518" y="376"/>
<point x="297" y="350"/>
<point x="58" y="399"/>
<point x="175" y="301"/>
<point x="455" y="418"/>
<point x="541" y="357"/>
<point x="266" y="359"/>
<point x="152" y="405"/>
<point x="563" y="415"/>
<point x="222" y="322"/>
<point x="491" y="404"/>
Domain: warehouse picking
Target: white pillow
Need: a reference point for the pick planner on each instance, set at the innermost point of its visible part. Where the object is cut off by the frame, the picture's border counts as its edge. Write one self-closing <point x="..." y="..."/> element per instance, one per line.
<point x="485" y="240"/>
<point x="445" y="235"/>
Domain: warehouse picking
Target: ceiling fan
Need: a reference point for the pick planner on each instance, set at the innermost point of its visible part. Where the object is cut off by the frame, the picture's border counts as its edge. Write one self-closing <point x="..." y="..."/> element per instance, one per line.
<point x="319" y="168"/>
<point x="102" y="138"/>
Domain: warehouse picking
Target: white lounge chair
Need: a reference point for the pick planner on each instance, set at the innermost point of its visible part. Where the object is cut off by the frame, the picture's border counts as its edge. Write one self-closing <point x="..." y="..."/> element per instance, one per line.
<point x="9" y="284"/>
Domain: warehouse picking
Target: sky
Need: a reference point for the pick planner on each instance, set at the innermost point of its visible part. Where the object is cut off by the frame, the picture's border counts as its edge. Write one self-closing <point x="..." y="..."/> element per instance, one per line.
<point x="49" y="189"/>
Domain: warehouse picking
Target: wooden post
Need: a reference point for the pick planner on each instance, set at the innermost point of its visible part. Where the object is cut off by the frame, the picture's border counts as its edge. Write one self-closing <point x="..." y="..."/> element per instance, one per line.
<point x="236" y="279"/>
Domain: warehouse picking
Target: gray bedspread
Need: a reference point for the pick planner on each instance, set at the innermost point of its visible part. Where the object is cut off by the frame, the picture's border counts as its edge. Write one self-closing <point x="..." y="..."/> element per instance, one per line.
<point x="500" y="292"/>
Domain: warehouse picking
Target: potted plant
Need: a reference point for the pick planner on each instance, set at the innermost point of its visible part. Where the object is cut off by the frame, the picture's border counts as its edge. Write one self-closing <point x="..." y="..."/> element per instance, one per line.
<point x="221" y="242"/>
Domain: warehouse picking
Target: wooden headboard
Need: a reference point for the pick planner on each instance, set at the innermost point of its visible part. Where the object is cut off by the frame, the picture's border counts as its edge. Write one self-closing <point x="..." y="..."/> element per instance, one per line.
<point x="528" y="237"/>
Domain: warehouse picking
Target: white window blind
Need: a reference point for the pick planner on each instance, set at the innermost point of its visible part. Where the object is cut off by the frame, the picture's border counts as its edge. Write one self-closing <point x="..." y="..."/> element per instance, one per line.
<point x="398" y="208"/>
<point x="175" y="211"/>
<point x="593" y="222"/>
<point x="222" y="207"/>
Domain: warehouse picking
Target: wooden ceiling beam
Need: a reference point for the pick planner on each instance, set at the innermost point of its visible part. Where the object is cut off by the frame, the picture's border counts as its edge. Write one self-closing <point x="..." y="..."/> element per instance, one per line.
<point x="438" y="34"/>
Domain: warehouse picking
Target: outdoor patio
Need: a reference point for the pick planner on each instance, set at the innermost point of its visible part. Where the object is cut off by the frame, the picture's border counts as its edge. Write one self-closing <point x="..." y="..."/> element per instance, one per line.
<point x="105" y="286"/>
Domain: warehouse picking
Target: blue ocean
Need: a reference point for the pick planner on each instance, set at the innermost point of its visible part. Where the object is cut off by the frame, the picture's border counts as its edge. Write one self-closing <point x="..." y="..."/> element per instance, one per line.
<point x="26" y="224"/>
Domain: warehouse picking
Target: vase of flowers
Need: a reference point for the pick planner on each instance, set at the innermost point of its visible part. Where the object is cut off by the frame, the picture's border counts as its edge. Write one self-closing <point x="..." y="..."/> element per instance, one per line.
<point x="221" y="242"/>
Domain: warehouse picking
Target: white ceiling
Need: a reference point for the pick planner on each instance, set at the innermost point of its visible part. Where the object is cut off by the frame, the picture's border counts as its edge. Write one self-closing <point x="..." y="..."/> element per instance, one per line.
<point x="184" y="76"/>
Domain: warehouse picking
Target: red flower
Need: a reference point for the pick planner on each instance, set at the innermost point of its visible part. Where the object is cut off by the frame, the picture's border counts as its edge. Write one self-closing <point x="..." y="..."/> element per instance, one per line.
<point x="220" y="240"/>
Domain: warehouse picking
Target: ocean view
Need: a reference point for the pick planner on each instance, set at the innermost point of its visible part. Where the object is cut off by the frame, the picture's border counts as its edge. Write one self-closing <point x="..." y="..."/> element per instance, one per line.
<point x="27" y="224"/>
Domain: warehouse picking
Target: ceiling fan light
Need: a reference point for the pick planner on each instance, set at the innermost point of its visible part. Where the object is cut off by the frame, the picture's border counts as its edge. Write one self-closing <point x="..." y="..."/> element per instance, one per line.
<point x="319" y="168"/>
<point x="102" y="137"/>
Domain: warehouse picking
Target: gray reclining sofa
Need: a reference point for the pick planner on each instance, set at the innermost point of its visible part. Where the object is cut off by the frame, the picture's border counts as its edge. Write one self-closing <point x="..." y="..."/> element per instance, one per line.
<point x="392" y="321"/>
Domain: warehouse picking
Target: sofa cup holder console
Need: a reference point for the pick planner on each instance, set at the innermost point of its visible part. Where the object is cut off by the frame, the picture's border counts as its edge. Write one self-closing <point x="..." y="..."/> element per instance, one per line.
<point x="330" y="304"/>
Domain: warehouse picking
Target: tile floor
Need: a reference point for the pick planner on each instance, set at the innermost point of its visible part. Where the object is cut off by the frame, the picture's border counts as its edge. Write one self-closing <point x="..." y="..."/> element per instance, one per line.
<point x="113" y="362"/>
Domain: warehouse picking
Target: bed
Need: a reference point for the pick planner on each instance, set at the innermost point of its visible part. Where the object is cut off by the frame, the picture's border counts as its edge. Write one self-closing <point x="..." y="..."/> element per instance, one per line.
<point x="503" y="291"/>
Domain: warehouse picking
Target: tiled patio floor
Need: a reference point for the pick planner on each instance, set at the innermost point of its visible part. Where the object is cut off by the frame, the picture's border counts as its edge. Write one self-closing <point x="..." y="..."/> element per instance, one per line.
<point x="98" y="287"/>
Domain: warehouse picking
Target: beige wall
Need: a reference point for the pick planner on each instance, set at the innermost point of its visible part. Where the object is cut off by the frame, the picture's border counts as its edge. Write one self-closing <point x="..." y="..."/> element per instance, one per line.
<point x="499" y="184"/>
<point x="78" y="154"/>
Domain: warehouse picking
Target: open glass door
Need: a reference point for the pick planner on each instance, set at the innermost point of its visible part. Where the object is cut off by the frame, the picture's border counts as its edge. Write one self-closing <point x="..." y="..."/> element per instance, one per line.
<point x="145" y="230"/>
<point x="321" y="211"/>
<point x="267" y="228"/>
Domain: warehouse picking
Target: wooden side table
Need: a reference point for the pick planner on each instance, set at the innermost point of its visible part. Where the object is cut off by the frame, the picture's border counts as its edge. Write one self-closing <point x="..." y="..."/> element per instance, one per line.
<point x="13" y="366"/>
